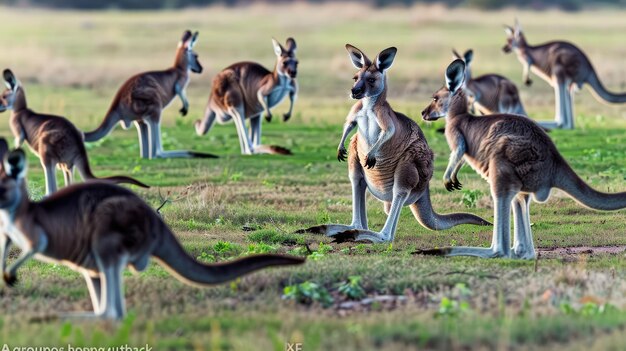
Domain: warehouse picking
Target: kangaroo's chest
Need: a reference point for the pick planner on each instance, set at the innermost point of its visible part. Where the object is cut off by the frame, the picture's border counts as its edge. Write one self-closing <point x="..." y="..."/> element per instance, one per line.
<point x="278" y="93"/>
<point x="368" y="128"/>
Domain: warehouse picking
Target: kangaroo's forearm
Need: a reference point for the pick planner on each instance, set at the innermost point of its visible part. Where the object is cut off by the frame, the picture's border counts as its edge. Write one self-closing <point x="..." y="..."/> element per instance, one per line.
<point x="383" y="136"/>
<point x="347" y="128"/>
<point x="180" y="91"/>
<point x="5" y="245"/>
<point x="264" y="102"/>
<point x="293" y="94"/>
<point x="456" y="159"/>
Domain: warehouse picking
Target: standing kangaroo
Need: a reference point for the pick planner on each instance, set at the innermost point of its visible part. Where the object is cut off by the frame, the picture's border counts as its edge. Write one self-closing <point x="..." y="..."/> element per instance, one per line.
<point x="97" y="229"/>
<point x="54" y="139"/>
<point x="245" y="90"/>
<point x="389" y="156"/>
<point x="516" y="157"/>
<point x="142" y="98"/>
<point x="490" y="93"/>
<point x="564" y="66"/>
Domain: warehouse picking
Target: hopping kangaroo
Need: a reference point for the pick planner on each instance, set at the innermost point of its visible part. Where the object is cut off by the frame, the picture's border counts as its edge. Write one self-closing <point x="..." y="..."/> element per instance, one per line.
<point x="388" y="155"/>
<point x="54" y="139"/>
<point x="98" y="229"/>
<point x="246" y="90"/>
<point x="142" y="98"/>
<point x="490" y="93"/>
<point x="516" y="157"/>
<point x="564" y="66"/>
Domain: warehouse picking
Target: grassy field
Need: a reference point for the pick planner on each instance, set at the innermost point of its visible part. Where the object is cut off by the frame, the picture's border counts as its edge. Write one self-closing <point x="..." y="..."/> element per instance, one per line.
<point x="364" y="296"/>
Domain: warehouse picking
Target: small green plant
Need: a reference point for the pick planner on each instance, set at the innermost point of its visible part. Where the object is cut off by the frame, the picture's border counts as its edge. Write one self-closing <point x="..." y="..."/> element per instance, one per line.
<point x="470" y="197"/>
<point x="321" y="251"/>
<point x="235" y="177"/>
<point x="308" y="293"/>
<point x="452" y="308"/>
<point x="205" y="257"/>
<point x="260" y="248"/>
<point x="587" y="309"/>
<point x="352" y="288"/>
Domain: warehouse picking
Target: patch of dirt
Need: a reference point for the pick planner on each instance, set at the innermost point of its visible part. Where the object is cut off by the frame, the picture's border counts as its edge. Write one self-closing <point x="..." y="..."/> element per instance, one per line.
<point x="572" y="252"/>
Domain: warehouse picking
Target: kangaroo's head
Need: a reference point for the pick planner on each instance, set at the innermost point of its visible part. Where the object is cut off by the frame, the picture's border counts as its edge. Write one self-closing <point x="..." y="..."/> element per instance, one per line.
<point x="467" y="57"/>
<point x="370" y="80"/>
<point x="8" y="95"/>
<point x="12" y="175"/>
<point x="514" y="38"/>
<point x="442" y="98"/>
<point x="286" y="62"/>
<point x="186" y="56"/>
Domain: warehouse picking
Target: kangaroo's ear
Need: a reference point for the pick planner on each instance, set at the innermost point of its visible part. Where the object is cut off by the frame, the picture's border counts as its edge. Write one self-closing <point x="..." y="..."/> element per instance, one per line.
<point x="9" y="78"/>
<point x="194" y="37"/>
<point x="357" y="57"/>
<point x="15" y="164"/>
<point x="4" y="147"/>
<point x="455" y="74"/>
<point x="384" y="60"/>
<point x="456" y="54"/>
<point x="278" y="49"/>
<point x="468" y="56"/>
<point x="185" y="38"/>
<point x="508" y="30"/>
<point x="518" y="28"/>
<point x="291" y="45"/>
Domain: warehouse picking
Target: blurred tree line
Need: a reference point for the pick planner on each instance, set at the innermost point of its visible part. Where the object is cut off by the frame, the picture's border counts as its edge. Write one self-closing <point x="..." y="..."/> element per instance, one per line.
<point x="570" y="5"/>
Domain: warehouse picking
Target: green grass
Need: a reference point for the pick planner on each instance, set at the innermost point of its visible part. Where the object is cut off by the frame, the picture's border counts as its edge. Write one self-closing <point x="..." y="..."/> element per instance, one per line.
<point x="71" y="63"/>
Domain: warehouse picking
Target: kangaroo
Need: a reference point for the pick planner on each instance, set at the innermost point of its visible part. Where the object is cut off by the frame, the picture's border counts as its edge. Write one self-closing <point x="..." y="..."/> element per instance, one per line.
<point x="389" y="156"/>
<point x="142" y="98"/>
<point x="97" y="229"/>
<point x="245" y="90"/>
<point x="564" y="66"/>
<point x="516" y="157"/>
<point x="490" y="93"/>
<point x="54" y="139"/>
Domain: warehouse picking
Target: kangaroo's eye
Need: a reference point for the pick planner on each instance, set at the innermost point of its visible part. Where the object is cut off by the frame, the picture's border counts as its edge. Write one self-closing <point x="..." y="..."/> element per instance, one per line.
<point x="435" y="98"/>
<point x="371" y="80"/>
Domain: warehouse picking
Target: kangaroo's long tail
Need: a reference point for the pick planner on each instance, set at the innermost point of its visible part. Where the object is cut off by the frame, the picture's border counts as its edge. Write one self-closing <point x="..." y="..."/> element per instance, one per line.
<point x="567" y="180"/>
<point x="172" y="256"/>
<point x="82" y="165"/>
<point x="601" y="93"/>
<point x="426" y="215"/>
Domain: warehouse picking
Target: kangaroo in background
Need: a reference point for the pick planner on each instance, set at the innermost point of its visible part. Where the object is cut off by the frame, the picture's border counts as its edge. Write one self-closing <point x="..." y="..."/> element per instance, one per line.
<point x="564" y="66"/>
<point x="516" y="157"/>
<point x="389" y="156"/>
<point x="245" y="90"/>
<point x="142" y="98"/>
<point x="54" y="139"/>
<point x="490" y="93"/>
<point x="97" y="229"/>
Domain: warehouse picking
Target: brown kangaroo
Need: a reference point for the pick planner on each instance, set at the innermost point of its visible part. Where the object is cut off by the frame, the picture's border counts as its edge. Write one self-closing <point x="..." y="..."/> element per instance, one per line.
<point x="516" y="157"/>
<point x="97" y="229"/>
<point x="490" y="93"/>
<point x="245" y="90"/>
<point x="564" y="66"/>
<point x="54" y="139"/>
<point x="142" y="98"/>
<point x="389" y="156"/>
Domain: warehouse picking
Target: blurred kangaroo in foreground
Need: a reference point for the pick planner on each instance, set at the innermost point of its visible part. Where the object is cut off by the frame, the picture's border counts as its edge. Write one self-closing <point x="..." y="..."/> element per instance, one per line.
<point x="564" y="66"/>
<point x="142" y="98"/>
<point x="490" y="93"/>
<point x="54" y="139"/>
<point x="97" y="229"/>
<point x="246" y="90"/>
<point x="389" y="156"/>
<point x="516" y="157"/>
